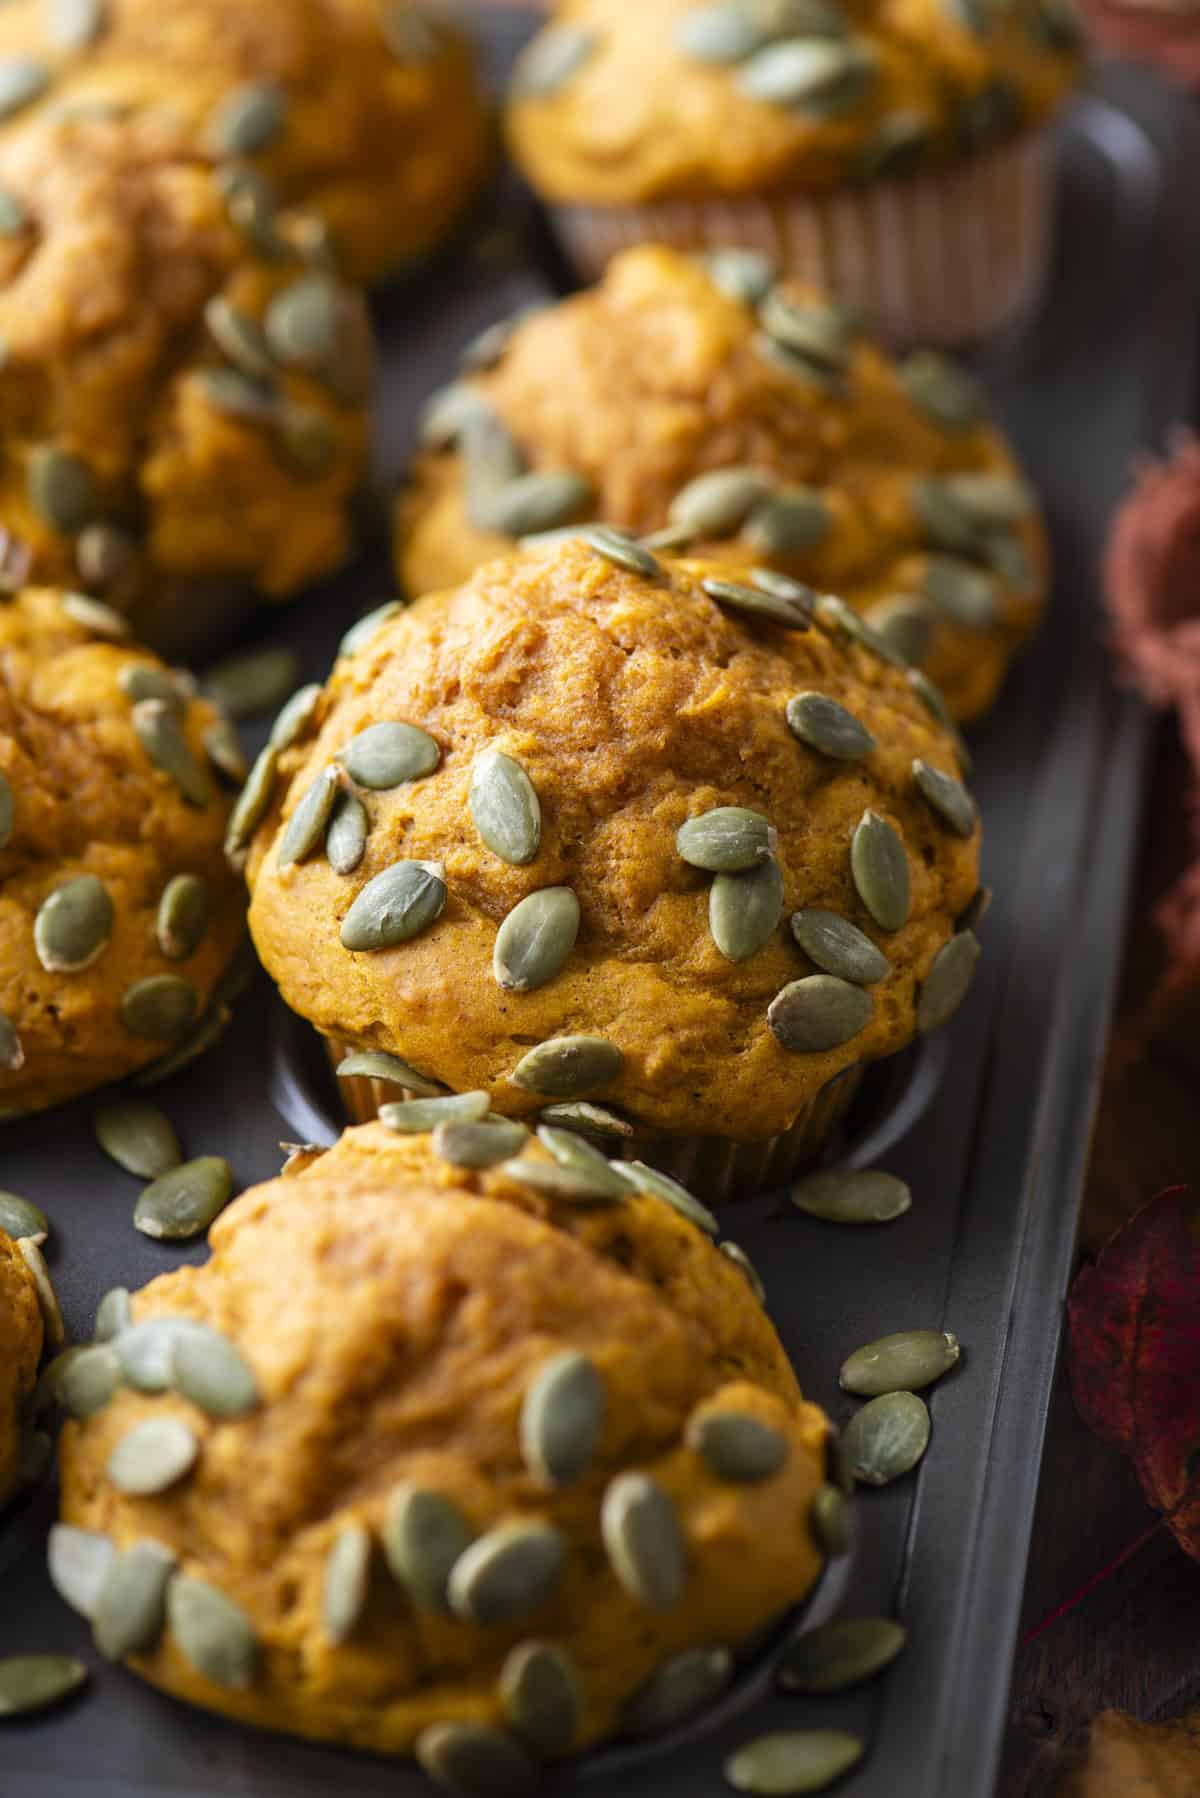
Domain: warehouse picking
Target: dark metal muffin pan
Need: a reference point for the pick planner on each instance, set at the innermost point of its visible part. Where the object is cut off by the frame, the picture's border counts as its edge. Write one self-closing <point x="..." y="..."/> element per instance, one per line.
<point x="990" y="1123"/>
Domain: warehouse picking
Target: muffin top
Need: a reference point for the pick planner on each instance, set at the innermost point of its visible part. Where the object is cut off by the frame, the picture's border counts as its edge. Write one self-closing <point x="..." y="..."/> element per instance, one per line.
<point x="584" y="802"/>
<point x="117" y="912"/>
<point x="20" y="1352"/>
<point x="175" y="402"/>
<point x="431" y="1421"/>
<point x="703" y="395"/>
<point x="615" y="104"/>
<point x="365" y="112"/>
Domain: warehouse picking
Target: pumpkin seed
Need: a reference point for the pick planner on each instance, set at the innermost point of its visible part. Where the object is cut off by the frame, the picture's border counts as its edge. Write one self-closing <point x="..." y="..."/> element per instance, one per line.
<point x="223" y="748"/>
<point x="682" y="1686"/>
<point x="574" y="1185"/>
<point x="840" y="1654"/>
<point x="492" y="459"/>
<point x="182" y="917"/>
<point x="839" y="947"/>
<point x="743" y="275"/>
<point x="1007" y="556"/>
<point x="829" y="1522"/>
<point x="90" y="1381"/>
<point x="249" y="120"/>
<point x="879" y="867"/>
<point x="903" y="1362"/>
<point x="207" y="1369"/>
<point x="13" y="217"/>
<point x="73" y="926"/>
<point x="159" y="729"/>
<point x="251" y="205"/>
<point x="424" y="1535"/>
<point x="825" y="725"/>
<point x="736" y="1446"/>
<point x="446" y="414"/>
<point x="182" y="1204"/>
<point x="726" y="840"/>
<point x="235" y="395"/>
<point x="945" y="986"/>
<point x="540" y="1692"/>
<point x="504" y="807"/>
<point x="152" y="1456"/>
<point x="396" y="905"/>
<point x="642" y="1534"/>
<point x="573" y="1152"/>
<point x="733" y="1252"/>
<point x="839" y="616"/>
<point x="412" y="1117"/>
<point x="789" y="523"/>
<point x="945" y="520"/>
<point x="161" y="1007"/>
<point x="932" y="699"/>
<point x="887" y="1437"/>
<point x="479" y="1145"/>
<point x="312" y="325"/>
<point x="535" y="939"/>
<point x="12" y="1051"/>
<point x="507" y="1573"/>
<point x="963" y="593"/>
<point x="585" y="1120"/>
<point x="947" y="797"/>
<point x="744" y="910"/>
<point x="792" y="1761"/>
<point x="652" y="1180"/>
<point x="566" y="1066"/>
<point x="297" y="718"/>
<point x="970" y="918"/>
<point x="717" y="504"/>
<point x="360" y="634"/>
<point x="239" y="338"/>
<point x="542" y="500"/>
<point x="61" y="487"/>
<point x="721" y="33"/>
<point x="993" y="500"/>
<point x="103" y="554"/>
<point x="345" y="1581"/>
<point x="146" y="1351"/>
<point x="94" y="616"/>
<point x="818" y="1013"/>
<point x="814" y="75"/>
<point x="896" y="147"/>
<point x="33" y="1682"/>
<point x="760" y="601"/>
<point x="475" y="1760"/>
<point x="816" y="332"/>
<point x="113" y="1314"/>
<point x="562" y="1416"/>
<point x="308" y="823"/>
<point x="556" y="54"/>
<point x="906" y="623"/>
<point x="852" y="1196"/>
<point x="945" y="394"/>
<point x="672" y="540"/>
<point x="209" y="1029"/>
<point x="375" y="1064"/>
<point x="131" y="1610"/>
<point x="52" y="1318"/>
<point x="212" y="1632"/>
<point x="346" y="837"/>
<point x="20" y="1217"/>
<point x="486" y="349"/>
<point x="246" y="685"/>
<point x="78" y="1562"/>
<point x="620" y="548"/>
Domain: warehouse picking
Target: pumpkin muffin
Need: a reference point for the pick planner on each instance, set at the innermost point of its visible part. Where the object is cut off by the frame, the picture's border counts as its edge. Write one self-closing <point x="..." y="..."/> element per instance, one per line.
<point x="460" y="1463"/>
<point x="20" y="1351"/>
<point x="183" y="418"/>
<point x="751" y="420"/>
<point x="605" y="828"/>
<point x="117" y="912"/>
<point x="363" y="112"/>
<point x="889" y="152"/>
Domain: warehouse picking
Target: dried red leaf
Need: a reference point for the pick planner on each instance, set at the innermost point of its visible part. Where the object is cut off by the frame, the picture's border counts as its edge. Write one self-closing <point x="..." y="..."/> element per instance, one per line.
<point x="1135" y="1353"/>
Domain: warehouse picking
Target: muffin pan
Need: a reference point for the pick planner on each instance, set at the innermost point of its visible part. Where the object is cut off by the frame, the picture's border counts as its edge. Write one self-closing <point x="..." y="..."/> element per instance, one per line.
<point x="989" y="1124"/>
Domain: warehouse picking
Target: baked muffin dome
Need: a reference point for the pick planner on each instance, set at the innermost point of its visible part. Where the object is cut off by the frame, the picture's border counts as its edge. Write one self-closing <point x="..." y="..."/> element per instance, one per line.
<point x="446" y="1450"/>
<point x="543" y="764"/>
<point x="182" y="415"/>
<point x="673" y="395"/>
<point x="364" y="112"/>
<point x="20" y="1352"/>
<point x="117" y="912"/>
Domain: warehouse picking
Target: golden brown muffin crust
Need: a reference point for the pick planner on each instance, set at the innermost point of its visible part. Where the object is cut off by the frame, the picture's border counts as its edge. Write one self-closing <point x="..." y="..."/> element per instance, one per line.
<point x="20" y="1352"/>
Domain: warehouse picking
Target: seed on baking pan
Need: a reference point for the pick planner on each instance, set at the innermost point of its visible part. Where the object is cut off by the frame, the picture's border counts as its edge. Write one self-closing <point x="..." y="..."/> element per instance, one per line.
<point x="650" y="1179"/>
<point x="944" y="393"/>
<point x="507" y="1573"/>
<point x="297" y="718"/>
<point x="744" y="910"/>
<point x="245" y="685"/>
<point x="52" y="1318"/>
<point x="386" y="755"/>
<point x="718" y="503"/>
<point x="792" y="1761"/>
<point x="113" y="1314"/>
<point x="735" y="1253"/>
<point x="376" y="1064"/>
<point x="146" y="1350"/>
<point x="825" y="725"/>
<point x="212" y="1632"/>
<point x="19" y="1217"/>
<point x="681" y="1687"/>
<point x="413" y="1117"/>
<point x="483" y="1144"/>
<point x="74" y="24"/>
<point x="152" y="1456"/>
<point x="887" y="1437"/>
<point x="840" y="1654"/>
<point x="820" y="334"/>
<point x="625" y="551"/>
<point x="13" y="217"/>
<point x="239" y="338"/>
<point x="574" y="1185"/>
<point x="947" y="797"/>
<point x="360" y="634"/>
<point x="223" y="748"/>
<point x="744" y="275"/>
<point x="895" y="147"/>
<point x="306" y="827"/>
<point x="540" y="1692"/>
<point x="566" y="1066"/>
<point x="33" y="1682"/>
<point x="852" y="1195"/>
<point x="726" y="840"/>
<point x="161" y="1007"/>
<point x="829" y="1522"/>
<point x="879" y="867"/>
<point x="788" y="523"/>
<point x="562" y="1416"/>
<point x="131" y="1610"/>
<point x="159" y="729"/>
<point x="539" y="501"/>
<point x="208" y="1029"/>
<point x="556" y="54"/>
<point x="182" y="917"/>
<point x="475" y="1760"/>
<point x="89" y="1381"/>
<point x="78" y="1562"/>
<point x="905" y="622"/>
<point x="346" y="837"/>
<point x="535" y="939"/>
<point x="573" y="1152"/>
<point x="945" y="986"/>
<point x="21" y="81"/>
<point x="249" y="119"/>
<point x="93" y="615"/>
<point x="642" y="1534"/>
<point x="73" y="925"/>
<point x="903" y="1362"/>
<point x="736" y="1445"/>
<point x="839" y="947"/>
<point x="721" y="33"/>
<point x="208" y="1369"/>
<point x="398" y="904"/>
<point x="818" y="1013"/>
<point x="504" y="807"/>
<point x="183" y="1202"/>
<point x="586" y="1120"/>
<point x="792" y="609"/>
<point x="424" y="1535"/>
<point x="345" y="1580"/>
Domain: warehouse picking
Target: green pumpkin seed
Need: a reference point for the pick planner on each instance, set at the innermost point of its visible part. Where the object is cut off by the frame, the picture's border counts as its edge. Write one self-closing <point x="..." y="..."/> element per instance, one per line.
<point x="492" y="460"/>
<point x="535" y="939"/>
<point x="717" y="504"/>
<point x="61" y="487"/>
<point x="789" y="523"/>
<point x="620" y="548"/>
<point x="14" y="220"/>
<point x="375" y="1064"/>
<point x="207" y="1369"/>
<point x="103" y="554"/>
<point x="182" y="918"/>
<point x="722" y="33"/>
<point x="297" y="718"/>
<point x="7" y="811"/>
<point x="818" y="1013"/>
<point x="852" y="1196"/>
<point x="507" y="1573"/>
<point x="840" y="1654"/>
<point x="947" y="395"/>
<point x="644" y="1540"/>
<point x="573" y="1152"/>
<point x="566" y="1066"/>
<point x="828" y="727"/>
<point x="903" y="1362"/>
<point x="681" y="1687"/>
<point x="159" y="729"/>
<point x="182" y="1204"/>
<point x="447" y="413"/>
<point x="650" y="1179"/>
<point x="89" y="1381"/>
<point x="819" y="334"/>
<point x="33" y="1682"/>
<point x="933" y="700"/>
<point x="212" y="1632"/>
<point x="479" y="1145"/>
<point x="963" y="593"/>
<point x="195" y="1042"/>
<point x="52" y="1318"/>
<point x="346" y="837"/>
<point x="424" y="1535"/>
<point x="396" y="905"/>
<point x="897" y="146"/>
<point x="131" y="1611"/>
<point x="504" y="807"/>
<point x="94" y="616"/>
<point x="542" y="500"/>
<point x="235" y="395"/>
<point x="345" y="1581"/>
<point x="79" y="1562"/>
<point x="879" y="867"/>
<point x="556" y="54"/>
<point x="839" y="616"/>
<point x="906" y="623"/>
<point x="945" y="986"/>
<point x="251" y="205"/>
<point x="487" y="348"/>
<point x="585" y="1120"/>
<point x="744" y="910"/>
<point x="146" y="1351"/>
<point x="239" y="338"/>
<point x="74" y="24"/>
<point x="814" y="75"/>
<point x="412" y="1117"/>
<point x="839" y="947"/>
<point x="475" y="1760"/>
<point x="152" y="1456"/>
<point x="542" y="1699"/>
<point x="223" y="748"/>
<point x="162" y="1006"/>
<point x="73" y="925"/>
<point x="249" y="120"/>
<point x="726" y="840"/>
<point x="20" y="1217"/>
<point x="562" y="1416"/>
<point x="574" y="1185"/>
<point x="736" y="1446"/>
<point x="307" y="825"/>
<point x="113" y="1314"/>
<point x="829" y="1522"/>
<point x="314" y="325"/>
<point x="763" y="601"/>
<point x="12" y="1052"/>
<point x="993" y="500"/>
<point x="887" y="1437"/>
<point x="247" y="685"/>
<point x="947" y="797"/>
<point x="360" y="634"/>
<point x="672" y="540"/>
<point x="742" y="1261"/>
<point x="970" y="918"/>
<point x="792" y="1761"/>
<point x="1007" y="556"/>
<point x="22" y="80"/>
<point x="947" y="523"/>
<point x="743" y="275"/>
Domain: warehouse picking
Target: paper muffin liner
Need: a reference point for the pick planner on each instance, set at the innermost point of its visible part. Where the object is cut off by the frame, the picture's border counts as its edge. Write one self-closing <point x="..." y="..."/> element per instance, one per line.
<point x="714" y="1168"/>
<point x="949" y="257"/>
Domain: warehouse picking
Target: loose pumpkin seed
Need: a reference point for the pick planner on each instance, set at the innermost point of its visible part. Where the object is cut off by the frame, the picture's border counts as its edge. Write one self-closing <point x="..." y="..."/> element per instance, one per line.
<point x="424" y="1535"/>
<point x="412" y="1117"/>
<point x="573" y="1152"/>
<point x="840" y="1654"/>
<point x="839" y="947"/>
<point x="906" y="623"/>
<point x="574" y="1185"/>
<point x="792" y="1761"/>
<point x="733" y="1252"/>
<point x="79" y="1562"/>
<point x="535" y="939"/>
<point x="789" y="523"/>
<point x="33" y="1682"/>
<point x="212" y="1632"/>
<point x="736" y="1445"/>
<point x="688" y="1683"/>
<point x="297" y="718"/>
<point x="223" y="748"/>
<point x="52" y="1319"/>
<point x="182" y="917"/>
<point x="159" y="729"/>
<point x="475" y="1760"/>
<point x="743" y="275"/>
<point x="887" y="1437"/>
<point x="620" y="548"/>
<point x="396" y="905"/>
<point x="566" y="1066"/>
<point x="829" y="1522"/>
<point x="360" y="634"/>
<point x="246" y="685"/>
<point x="947" y="395"/>
<point x="504" y="807"/>
<point x="307" y="825"/>
<point x="345" y="1581"/>
<point x="346" y="837"/>
<point x="131" y="1611"/>
<point x="61" y="487"/>
<point x="644" y="1540"/>
<point x="113" y="1314"/>
<point x="963" y="593"/>
<point x="879" y="867"/>
<point x="152" y="1456"/>
<point x="479" y="1145"/>
<point x="720" y="33"/>
<point x="249" y="120"/>
<point x="375" y="1064"/>
<point x="507" y="1573"/>
<point x="20" y="1217"/>
<point x="718" y="503"/>
<point x="825" y="725"/>
<point x="744" y="910"/>
<point x="562" y="1416"/>
<point x="73" y="926"/>
<point x="162" y="1006"/>
<point x="542" y="1699"/>
<point x="947" y="797"/>
<point x="726" y="840"/>
<point x="792" y="609"/>
<point x="89" y="1381"/>
<point x="585" y="1120"/>
<point x="945" y="986"/>
<point x="386" y="755"/>
<point x="94" y="616"/>
<point x="207" y="1369"/>
<point x="818" y="1013"/>
<point x="146" y="1351"/>
<point x="12" y="1052"/>
<point x="556" y="54"/>
<point x="852" y="1196"/>
<point x="903" y="1362"/>
<point x="652" y="1180"/>
<point x="181" y="1204"/>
